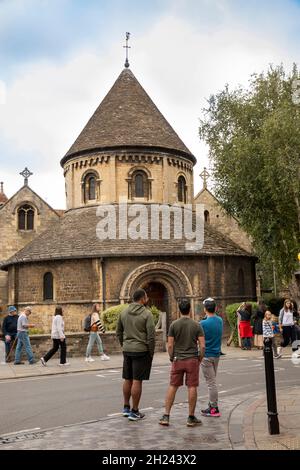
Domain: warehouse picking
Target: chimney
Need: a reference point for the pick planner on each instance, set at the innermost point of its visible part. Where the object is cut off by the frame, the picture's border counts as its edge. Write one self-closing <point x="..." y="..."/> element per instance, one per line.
<point x="1" y="187"/>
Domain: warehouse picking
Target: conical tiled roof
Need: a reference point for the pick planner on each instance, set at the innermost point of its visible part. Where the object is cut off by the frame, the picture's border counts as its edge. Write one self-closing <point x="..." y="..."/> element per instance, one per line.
<point x="127" y="118"/>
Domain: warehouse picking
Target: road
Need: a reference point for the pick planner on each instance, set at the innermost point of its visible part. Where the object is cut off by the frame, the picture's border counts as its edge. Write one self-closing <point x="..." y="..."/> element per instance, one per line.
<point x="46" y="402"/>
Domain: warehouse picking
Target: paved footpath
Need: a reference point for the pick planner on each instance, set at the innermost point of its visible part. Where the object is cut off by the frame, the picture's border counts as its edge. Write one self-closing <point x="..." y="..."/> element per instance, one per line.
<point x="243" y="424"/>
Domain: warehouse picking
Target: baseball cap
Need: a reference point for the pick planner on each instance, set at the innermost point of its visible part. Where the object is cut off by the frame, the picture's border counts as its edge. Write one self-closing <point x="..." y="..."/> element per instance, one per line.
<point x="12" y="309"/>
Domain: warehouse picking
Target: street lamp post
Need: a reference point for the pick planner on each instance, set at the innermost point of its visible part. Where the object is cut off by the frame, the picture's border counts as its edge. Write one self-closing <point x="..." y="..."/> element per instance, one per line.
<point x="273" y="422"/>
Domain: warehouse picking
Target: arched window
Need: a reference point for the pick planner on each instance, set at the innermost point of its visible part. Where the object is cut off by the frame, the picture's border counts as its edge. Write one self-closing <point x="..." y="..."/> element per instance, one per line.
<point x="206" y="217"/>
<point x="26" y="217"/>
<point x="241" y="282"/>
<point x="181" y="189"/>
<point x="140" y="185"/>
<point x="90" y="187"/>
<point x="48" y="286"/>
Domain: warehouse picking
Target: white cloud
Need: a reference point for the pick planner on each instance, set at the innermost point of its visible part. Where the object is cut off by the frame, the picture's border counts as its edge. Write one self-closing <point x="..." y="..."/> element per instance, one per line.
<point x="179" y="65"/>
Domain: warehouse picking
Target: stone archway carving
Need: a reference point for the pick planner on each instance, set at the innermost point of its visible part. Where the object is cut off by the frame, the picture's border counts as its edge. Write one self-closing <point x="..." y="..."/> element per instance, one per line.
<point x="169" y="275"/>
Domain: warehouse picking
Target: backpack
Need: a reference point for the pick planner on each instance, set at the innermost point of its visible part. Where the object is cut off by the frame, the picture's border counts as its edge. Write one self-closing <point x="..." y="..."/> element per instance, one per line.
<point x="87" y="323"/>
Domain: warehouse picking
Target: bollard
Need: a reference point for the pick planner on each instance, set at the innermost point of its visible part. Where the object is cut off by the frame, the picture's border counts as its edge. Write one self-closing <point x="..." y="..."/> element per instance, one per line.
<point x="273" y="422"/>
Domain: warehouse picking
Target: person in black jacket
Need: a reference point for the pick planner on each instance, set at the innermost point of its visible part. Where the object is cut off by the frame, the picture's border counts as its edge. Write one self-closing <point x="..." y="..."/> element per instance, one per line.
<point x="9" y="329"/>
<point x="257" y="325"/>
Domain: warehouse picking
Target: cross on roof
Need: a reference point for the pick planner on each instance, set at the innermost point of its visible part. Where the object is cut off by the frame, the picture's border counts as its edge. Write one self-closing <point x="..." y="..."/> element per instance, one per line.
<point x="127" y="47"/>
<point x="26" y="174"/>
<point x="204" y="175"/>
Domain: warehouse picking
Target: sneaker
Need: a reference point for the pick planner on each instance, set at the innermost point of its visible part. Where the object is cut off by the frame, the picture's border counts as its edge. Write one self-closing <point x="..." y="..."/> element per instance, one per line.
<point x="193" y="421"/>
<point x="104" y="357"/>
<point x="135" y="415"/>
<point x="89" y="359"/>
<point x="164" y="420"/>
<point x="43" y="361"/>
<point x="126" y="411"/>
<point x="222" y="354"/>
<point x="278" y="356"/>
<point x="65" y="364"/>
<point x="211" y="411"/>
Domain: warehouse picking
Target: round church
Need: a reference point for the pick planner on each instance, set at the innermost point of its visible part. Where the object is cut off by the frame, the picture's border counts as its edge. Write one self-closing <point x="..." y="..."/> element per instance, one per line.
<point x="129" y="156"/>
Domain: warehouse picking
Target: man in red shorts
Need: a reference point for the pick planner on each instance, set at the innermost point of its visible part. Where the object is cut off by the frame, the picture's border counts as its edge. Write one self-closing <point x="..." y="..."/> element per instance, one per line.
<point x="186" y="348"/>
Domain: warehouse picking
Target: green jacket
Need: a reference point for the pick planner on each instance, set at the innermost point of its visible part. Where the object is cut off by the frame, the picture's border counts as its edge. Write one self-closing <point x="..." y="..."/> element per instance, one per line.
<point x="136" y="329"/>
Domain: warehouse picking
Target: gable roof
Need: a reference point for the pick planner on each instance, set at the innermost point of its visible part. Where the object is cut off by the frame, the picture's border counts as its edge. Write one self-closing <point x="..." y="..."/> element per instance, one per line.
<point x="127" y="118"/>
<point x="36" y="195"/>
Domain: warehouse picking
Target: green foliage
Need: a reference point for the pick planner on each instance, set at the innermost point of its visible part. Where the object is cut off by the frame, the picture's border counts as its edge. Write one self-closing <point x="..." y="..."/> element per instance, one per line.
<point x="254" y="145"/>
<point x="110" y="316"/>
<point x="35" y="331"/>
<point x="230" y="311"/>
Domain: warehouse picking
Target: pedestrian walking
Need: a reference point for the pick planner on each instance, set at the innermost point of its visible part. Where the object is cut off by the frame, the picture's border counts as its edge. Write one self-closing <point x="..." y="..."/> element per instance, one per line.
<point x="213" y="331"/>
<point x="23" y="337"/>
<point x="186" y="347"/>
<point x="257" y="325"/>
<point x="95" y="327"/>
<point x="136" y="334"/>
<point x="58" y="338"/>
<point x="10" y="331"/>
<point x="268" y="332"/>
<point x="287" y="323"/>
<point x="245" y="312"/>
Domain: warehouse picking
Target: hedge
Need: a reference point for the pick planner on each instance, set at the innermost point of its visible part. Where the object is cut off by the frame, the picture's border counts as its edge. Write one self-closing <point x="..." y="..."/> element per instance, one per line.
<point x="110" y="316"/>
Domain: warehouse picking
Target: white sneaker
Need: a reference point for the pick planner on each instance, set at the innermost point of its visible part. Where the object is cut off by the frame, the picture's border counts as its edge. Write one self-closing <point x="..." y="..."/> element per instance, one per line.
<point x="65" y="364"/>
<point x="89" y="359"/>
<point x="43" y="361"/>
<point x="104" y="357"/>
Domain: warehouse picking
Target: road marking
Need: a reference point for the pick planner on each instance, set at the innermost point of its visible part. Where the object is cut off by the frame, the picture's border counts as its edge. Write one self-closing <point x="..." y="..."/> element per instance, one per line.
<point x="147" y="409"/>
<point x="223" y="391"/>
<point x="99" y="375"/>
<point x="112" y="371"/>
<point x="22" y="430"/>
<point x="115" y="414"/>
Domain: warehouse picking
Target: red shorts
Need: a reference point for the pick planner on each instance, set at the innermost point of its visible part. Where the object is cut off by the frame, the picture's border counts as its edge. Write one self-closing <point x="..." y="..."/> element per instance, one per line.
<point x="187" y="367"/>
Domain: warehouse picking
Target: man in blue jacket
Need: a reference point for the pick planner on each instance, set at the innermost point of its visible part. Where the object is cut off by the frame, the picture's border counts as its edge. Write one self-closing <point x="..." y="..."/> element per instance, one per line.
<point x="213" y="330"/>
<point x="10" y="330"/>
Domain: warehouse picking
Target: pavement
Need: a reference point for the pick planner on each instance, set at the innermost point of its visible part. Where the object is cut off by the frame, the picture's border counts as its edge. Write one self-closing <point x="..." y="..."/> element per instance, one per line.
<point x="243" y="424"/>
<point x="78" y="364"/>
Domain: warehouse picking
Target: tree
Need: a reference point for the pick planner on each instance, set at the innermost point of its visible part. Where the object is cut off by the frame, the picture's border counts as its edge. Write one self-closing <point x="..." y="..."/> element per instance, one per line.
<point x="253" y="136"/>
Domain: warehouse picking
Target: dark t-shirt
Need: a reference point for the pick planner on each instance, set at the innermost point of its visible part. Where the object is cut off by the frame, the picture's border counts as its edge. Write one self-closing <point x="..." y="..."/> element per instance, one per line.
<point x="185" y="332"/>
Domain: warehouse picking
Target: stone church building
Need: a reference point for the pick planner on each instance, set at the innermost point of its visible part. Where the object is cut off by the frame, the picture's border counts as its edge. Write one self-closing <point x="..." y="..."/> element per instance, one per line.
<point x="126" y="152"/>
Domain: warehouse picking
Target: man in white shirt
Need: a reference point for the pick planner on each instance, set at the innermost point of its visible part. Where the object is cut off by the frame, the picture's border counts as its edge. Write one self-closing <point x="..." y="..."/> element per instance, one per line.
<point x="23" y="337"/>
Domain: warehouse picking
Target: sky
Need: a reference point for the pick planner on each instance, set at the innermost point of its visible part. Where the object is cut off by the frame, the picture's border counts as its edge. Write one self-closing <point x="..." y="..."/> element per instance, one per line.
<point x="59" y="58"/>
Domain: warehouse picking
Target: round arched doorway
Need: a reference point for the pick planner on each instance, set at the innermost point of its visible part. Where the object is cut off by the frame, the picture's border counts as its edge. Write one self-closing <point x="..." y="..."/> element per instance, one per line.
<point x="165" y="284"/>
<point x="158" y="295"/>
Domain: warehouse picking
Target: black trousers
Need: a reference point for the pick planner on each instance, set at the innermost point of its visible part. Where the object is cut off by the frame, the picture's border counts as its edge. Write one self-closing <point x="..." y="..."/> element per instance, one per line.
<point x="289" y="335"/>
<point x="57" y="343"/>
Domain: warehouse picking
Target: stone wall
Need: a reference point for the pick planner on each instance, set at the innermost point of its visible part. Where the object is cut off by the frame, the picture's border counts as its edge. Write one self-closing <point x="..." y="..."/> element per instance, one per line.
<point x="221" y="221"/>
<point x="215" y="276"/>
<point x="77" y="344"/>
<point x="113" y="170"/>
<point x="12" y="239"/>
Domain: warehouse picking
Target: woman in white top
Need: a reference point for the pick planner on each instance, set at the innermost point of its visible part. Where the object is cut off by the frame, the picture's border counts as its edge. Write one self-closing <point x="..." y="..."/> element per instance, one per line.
<point x="94" y="337"/>
<point x="287" y="324"/>
<point x="58" y="338"/>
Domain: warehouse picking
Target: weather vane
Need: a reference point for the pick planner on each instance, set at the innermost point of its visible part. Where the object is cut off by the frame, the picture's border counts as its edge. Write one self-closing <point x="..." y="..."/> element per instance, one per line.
<point x="26" y="174"/>
<point x="204" y="175"/>
<point x="127" y="47"/>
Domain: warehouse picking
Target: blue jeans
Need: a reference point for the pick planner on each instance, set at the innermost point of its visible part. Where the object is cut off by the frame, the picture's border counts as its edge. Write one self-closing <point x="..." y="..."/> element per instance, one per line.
<point x="23" y="340"/>
<point x="94" y="336"/>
